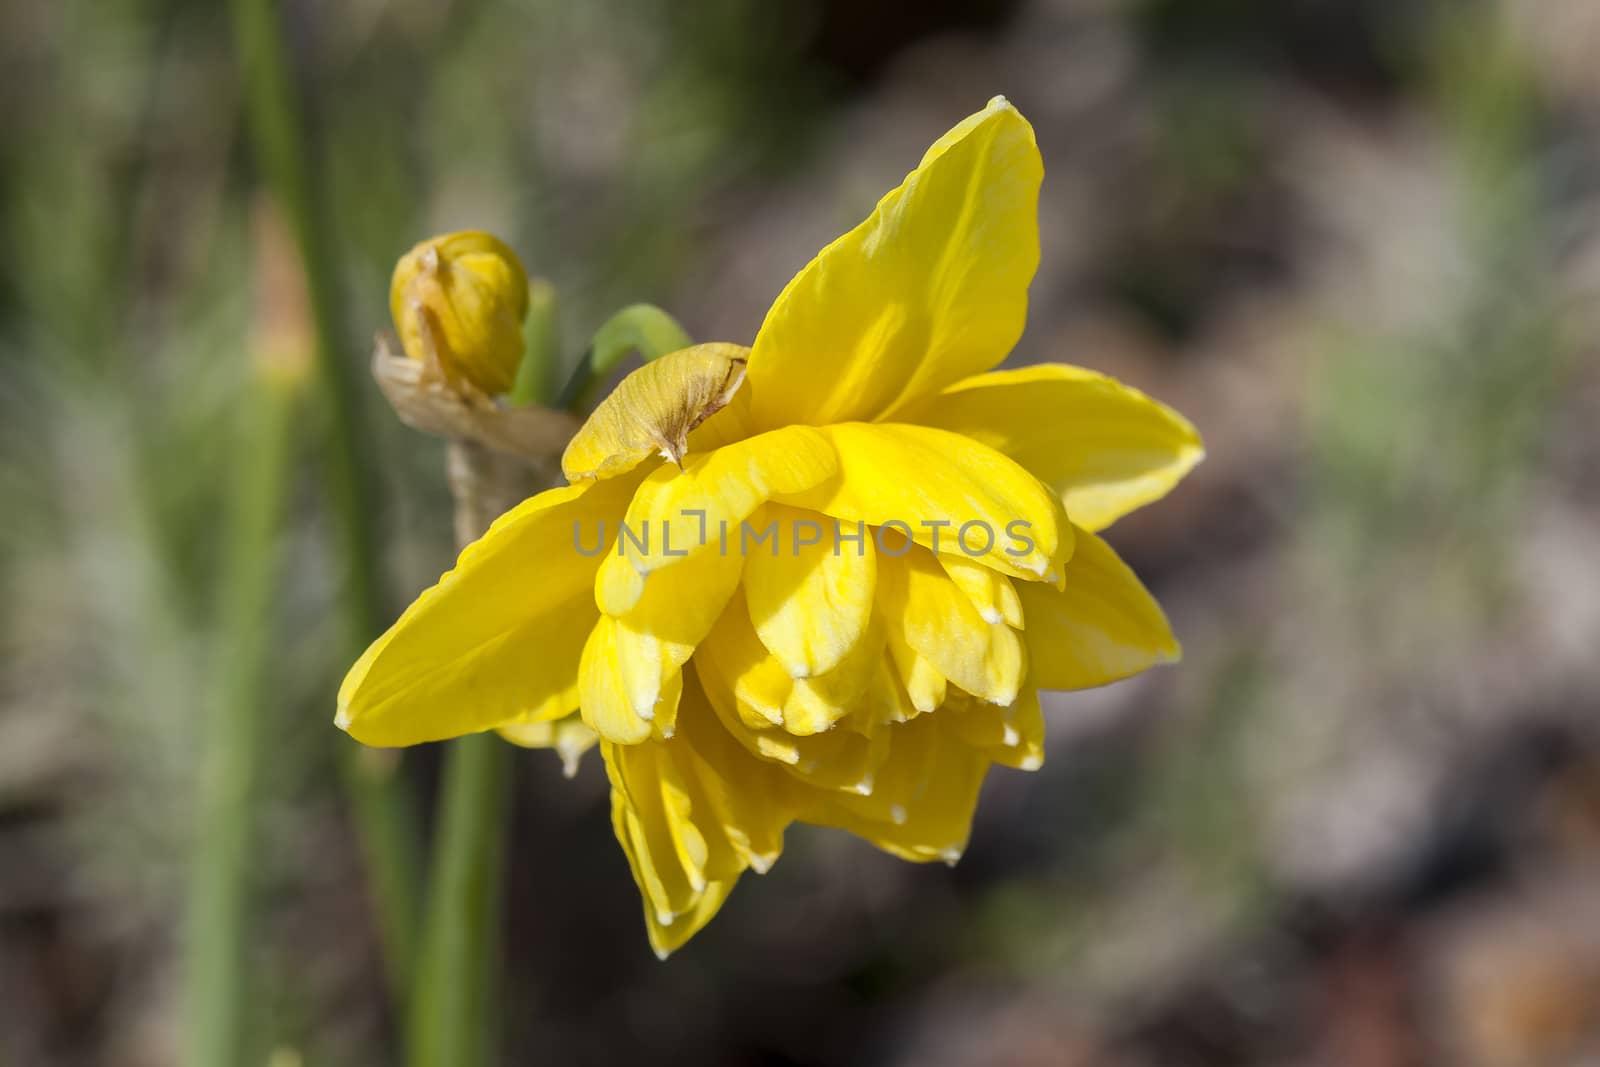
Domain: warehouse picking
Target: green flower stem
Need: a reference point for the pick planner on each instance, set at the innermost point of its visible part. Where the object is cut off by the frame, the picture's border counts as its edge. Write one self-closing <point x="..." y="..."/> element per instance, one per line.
<point x="450" y="1023"/>
<point x="384" y="820"/>
<point x="219" y="905"/>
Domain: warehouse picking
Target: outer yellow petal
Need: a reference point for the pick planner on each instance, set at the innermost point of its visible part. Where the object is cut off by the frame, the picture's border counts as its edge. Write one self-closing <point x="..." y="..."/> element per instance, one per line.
<point x="922" y="804"/>
<point x="1103" y="627"/>
<point x="570" y="738"/>
<point x="692" y="814"/>
<point x="676" y="514"/>
<point x="947" y="492"/>
<point x="1105" y="447"/>
<point x="927" y="612"/>
<point x="498" y="638"/>
<point x="810" y="597"/>
<point x="930" y="289"/>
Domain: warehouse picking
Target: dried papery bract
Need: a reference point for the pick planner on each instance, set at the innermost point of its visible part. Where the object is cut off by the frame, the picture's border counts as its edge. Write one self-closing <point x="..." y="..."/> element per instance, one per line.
<point x="431" y="404"/>
<point x="653" y="410"/>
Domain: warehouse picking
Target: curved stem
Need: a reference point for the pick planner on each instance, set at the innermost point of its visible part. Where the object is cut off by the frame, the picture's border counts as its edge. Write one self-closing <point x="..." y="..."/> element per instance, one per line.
<point x="642" y="328"/>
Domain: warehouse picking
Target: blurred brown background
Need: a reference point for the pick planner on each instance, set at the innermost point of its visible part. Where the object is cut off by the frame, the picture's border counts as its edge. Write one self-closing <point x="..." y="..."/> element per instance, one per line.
<point x="1357" y="242"/>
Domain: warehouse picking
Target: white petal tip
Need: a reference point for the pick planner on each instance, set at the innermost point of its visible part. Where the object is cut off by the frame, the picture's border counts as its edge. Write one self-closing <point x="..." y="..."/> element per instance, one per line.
<point x="897" y="814"/>
<point x="341" y="719"/>
<point x="761" y="864"/>
<point x="951" y="856"/>
<point x="665" y="918"/>
<point x="1011" y="739"/>
<point x="864" y="787"/>
<point x="1030" y="763"/>
<point x="991" y="615"/>
<point x="662" y="954"/>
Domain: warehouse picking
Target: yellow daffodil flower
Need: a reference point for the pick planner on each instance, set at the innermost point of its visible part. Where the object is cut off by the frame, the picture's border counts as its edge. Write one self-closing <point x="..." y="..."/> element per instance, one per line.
<point x="822" y="579"/>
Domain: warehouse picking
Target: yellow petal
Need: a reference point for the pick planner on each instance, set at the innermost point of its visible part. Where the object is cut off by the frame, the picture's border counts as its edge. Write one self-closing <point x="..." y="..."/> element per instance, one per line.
<point x="692" y="814"/>
<point x="675" y="514"/>
<point x="659" y="633"/>
<point x="755" y="699"/>
<point x="810" y="597"/>
<point x="922" y="804"/>
<point x="990" y="591"/>
<point x="928" y="613"/>
<point x="612" y="672"/>
<point x="924" y="684"/>
<point x="1102" y="627"/>
<point x="497" y="639"/>
<point x="930" y="289"/>
<point x="1105" y="447"/>
<point x="1012" y="735"/>
<point x="569" y="736"/>
<point x="944" y="491"/>
<point x="652" y="410"/>
<point x="885" y="700"/>
<point x="768" y="695"/>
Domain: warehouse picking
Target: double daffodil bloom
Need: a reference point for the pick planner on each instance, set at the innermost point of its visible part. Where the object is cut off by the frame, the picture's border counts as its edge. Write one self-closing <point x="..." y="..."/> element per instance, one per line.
<point x="933" y="563"/>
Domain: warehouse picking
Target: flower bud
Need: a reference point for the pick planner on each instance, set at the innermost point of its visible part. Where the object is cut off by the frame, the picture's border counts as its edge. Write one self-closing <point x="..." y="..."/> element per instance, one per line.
<point x="458" y="302"/>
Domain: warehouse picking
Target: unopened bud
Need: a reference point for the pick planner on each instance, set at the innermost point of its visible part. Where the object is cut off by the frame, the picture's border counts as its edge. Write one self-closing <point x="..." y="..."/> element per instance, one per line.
<point x="458" y="302"/>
